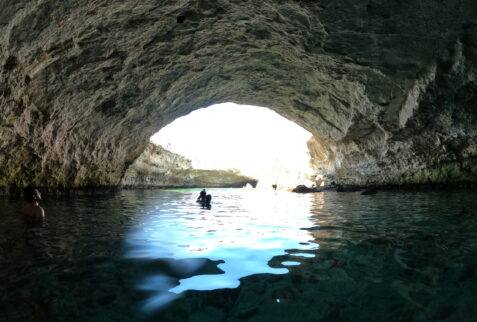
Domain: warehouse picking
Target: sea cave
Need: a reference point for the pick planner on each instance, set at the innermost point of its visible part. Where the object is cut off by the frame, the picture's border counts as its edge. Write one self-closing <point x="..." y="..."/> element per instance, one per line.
<point x="387" y="89"/>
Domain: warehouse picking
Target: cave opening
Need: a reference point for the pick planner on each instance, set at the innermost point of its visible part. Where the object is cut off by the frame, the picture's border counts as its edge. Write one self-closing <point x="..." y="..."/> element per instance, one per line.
<point x="248" y="140"/>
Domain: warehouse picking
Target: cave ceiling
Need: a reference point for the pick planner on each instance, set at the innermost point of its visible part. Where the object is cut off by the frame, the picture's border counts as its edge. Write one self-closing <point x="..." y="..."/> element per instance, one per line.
<point x="387" y="87"/>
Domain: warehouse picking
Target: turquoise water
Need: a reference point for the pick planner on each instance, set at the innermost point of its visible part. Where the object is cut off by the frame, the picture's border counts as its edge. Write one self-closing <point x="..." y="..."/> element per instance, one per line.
<point x="156" y="255"/>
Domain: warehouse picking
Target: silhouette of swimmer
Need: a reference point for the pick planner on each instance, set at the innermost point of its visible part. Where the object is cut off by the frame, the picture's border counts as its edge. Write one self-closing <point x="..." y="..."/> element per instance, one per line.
<point x="202" y="196"/>
<point x="207" y="201"/>
<point x="32" y="212"/>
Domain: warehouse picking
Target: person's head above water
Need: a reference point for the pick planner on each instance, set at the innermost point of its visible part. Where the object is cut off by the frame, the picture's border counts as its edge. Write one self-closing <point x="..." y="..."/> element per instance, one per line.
<point x="32" y="211"/>
<point x="31" y="194"/>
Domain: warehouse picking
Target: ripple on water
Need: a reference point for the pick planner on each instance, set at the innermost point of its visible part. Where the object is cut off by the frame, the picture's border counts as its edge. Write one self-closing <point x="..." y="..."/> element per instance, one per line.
<point x="307" y="255"/>
<point x="246" y="234"/>
<point x="366" y="258"/>
<point x="290" y="263"/>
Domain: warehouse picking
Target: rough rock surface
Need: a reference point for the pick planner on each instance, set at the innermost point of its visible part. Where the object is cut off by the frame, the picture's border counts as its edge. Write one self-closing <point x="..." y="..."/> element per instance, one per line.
<point x="388" y="88"/>
<point x="158" y="167"/>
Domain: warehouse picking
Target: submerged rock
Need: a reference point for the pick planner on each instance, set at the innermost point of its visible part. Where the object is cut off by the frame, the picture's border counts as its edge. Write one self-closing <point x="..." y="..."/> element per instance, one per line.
<point x="305" y="189"/>
<point x="347" y="188"/>
<point x="370" y="191"/>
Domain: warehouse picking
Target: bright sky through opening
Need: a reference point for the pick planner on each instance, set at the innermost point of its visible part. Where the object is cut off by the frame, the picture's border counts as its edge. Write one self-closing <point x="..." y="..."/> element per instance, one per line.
<point x="255" y="140"/>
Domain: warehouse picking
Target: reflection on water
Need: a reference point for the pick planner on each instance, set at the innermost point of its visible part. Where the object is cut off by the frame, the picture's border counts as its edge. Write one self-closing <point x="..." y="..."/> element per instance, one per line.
<point x="242" y="232"/>
<point x="252" y="257"/>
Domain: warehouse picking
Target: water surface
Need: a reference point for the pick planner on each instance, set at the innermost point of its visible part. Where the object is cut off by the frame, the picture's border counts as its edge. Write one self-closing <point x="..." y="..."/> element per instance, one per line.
<point x="256" y="256"/>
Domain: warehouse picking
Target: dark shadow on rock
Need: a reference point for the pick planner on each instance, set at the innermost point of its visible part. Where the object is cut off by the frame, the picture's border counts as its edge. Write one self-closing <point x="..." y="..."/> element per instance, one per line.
<point x="370" y="191"/>
<point x="347" y="188"/>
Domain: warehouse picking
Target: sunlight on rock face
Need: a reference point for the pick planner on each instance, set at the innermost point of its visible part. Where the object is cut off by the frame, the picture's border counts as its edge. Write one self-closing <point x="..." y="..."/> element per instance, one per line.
<point x="253" y="140"/>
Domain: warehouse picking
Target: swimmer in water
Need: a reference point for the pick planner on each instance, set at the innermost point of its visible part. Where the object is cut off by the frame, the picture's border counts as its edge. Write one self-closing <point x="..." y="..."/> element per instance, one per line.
<point x="32" y="212"/>
<point x="201" y="197"/>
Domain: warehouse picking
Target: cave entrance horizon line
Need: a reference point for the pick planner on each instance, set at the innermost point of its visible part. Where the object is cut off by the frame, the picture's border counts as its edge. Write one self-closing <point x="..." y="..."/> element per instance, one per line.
<point x="253" y="141"/>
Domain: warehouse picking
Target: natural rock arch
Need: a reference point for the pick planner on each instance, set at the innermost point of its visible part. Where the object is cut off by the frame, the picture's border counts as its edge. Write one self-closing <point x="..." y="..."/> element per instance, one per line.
<point x="388" y="89"/>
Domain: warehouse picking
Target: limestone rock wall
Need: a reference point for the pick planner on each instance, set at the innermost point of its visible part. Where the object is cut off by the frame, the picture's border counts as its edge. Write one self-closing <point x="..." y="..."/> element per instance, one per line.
<point x="434" y="138"/>
<point x="158" y="167"/>
<point x="158" y="159"/>
<point x="186" y="178"/>
<point x="386" y="87"/>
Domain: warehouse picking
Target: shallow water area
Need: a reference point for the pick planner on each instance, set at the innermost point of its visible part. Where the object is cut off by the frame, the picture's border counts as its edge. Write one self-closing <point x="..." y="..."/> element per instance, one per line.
<point x="255" y="255"/>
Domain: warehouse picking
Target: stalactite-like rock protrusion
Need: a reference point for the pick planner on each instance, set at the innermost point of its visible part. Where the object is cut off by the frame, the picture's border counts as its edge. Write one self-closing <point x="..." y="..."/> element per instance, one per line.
<point x="387" y="88"/>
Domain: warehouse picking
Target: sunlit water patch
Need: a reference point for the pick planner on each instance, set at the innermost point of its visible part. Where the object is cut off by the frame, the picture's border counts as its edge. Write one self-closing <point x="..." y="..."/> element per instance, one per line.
<point x="236" y="238"/>
<point x="158" y="256"/>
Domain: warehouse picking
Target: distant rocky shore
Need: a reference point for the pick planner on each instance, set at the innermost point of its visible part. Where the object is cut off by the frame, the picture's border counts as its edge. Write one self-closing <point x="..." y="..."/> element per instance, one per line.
<point x="369" y="190"/>
<point x="158" y="167"/>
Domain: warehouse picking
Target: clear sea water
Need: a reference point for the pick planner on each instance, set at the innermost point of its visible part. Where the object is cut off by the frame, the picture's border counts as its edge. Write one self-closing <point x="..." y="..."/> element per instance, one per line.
<point x="156" y="255"/>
